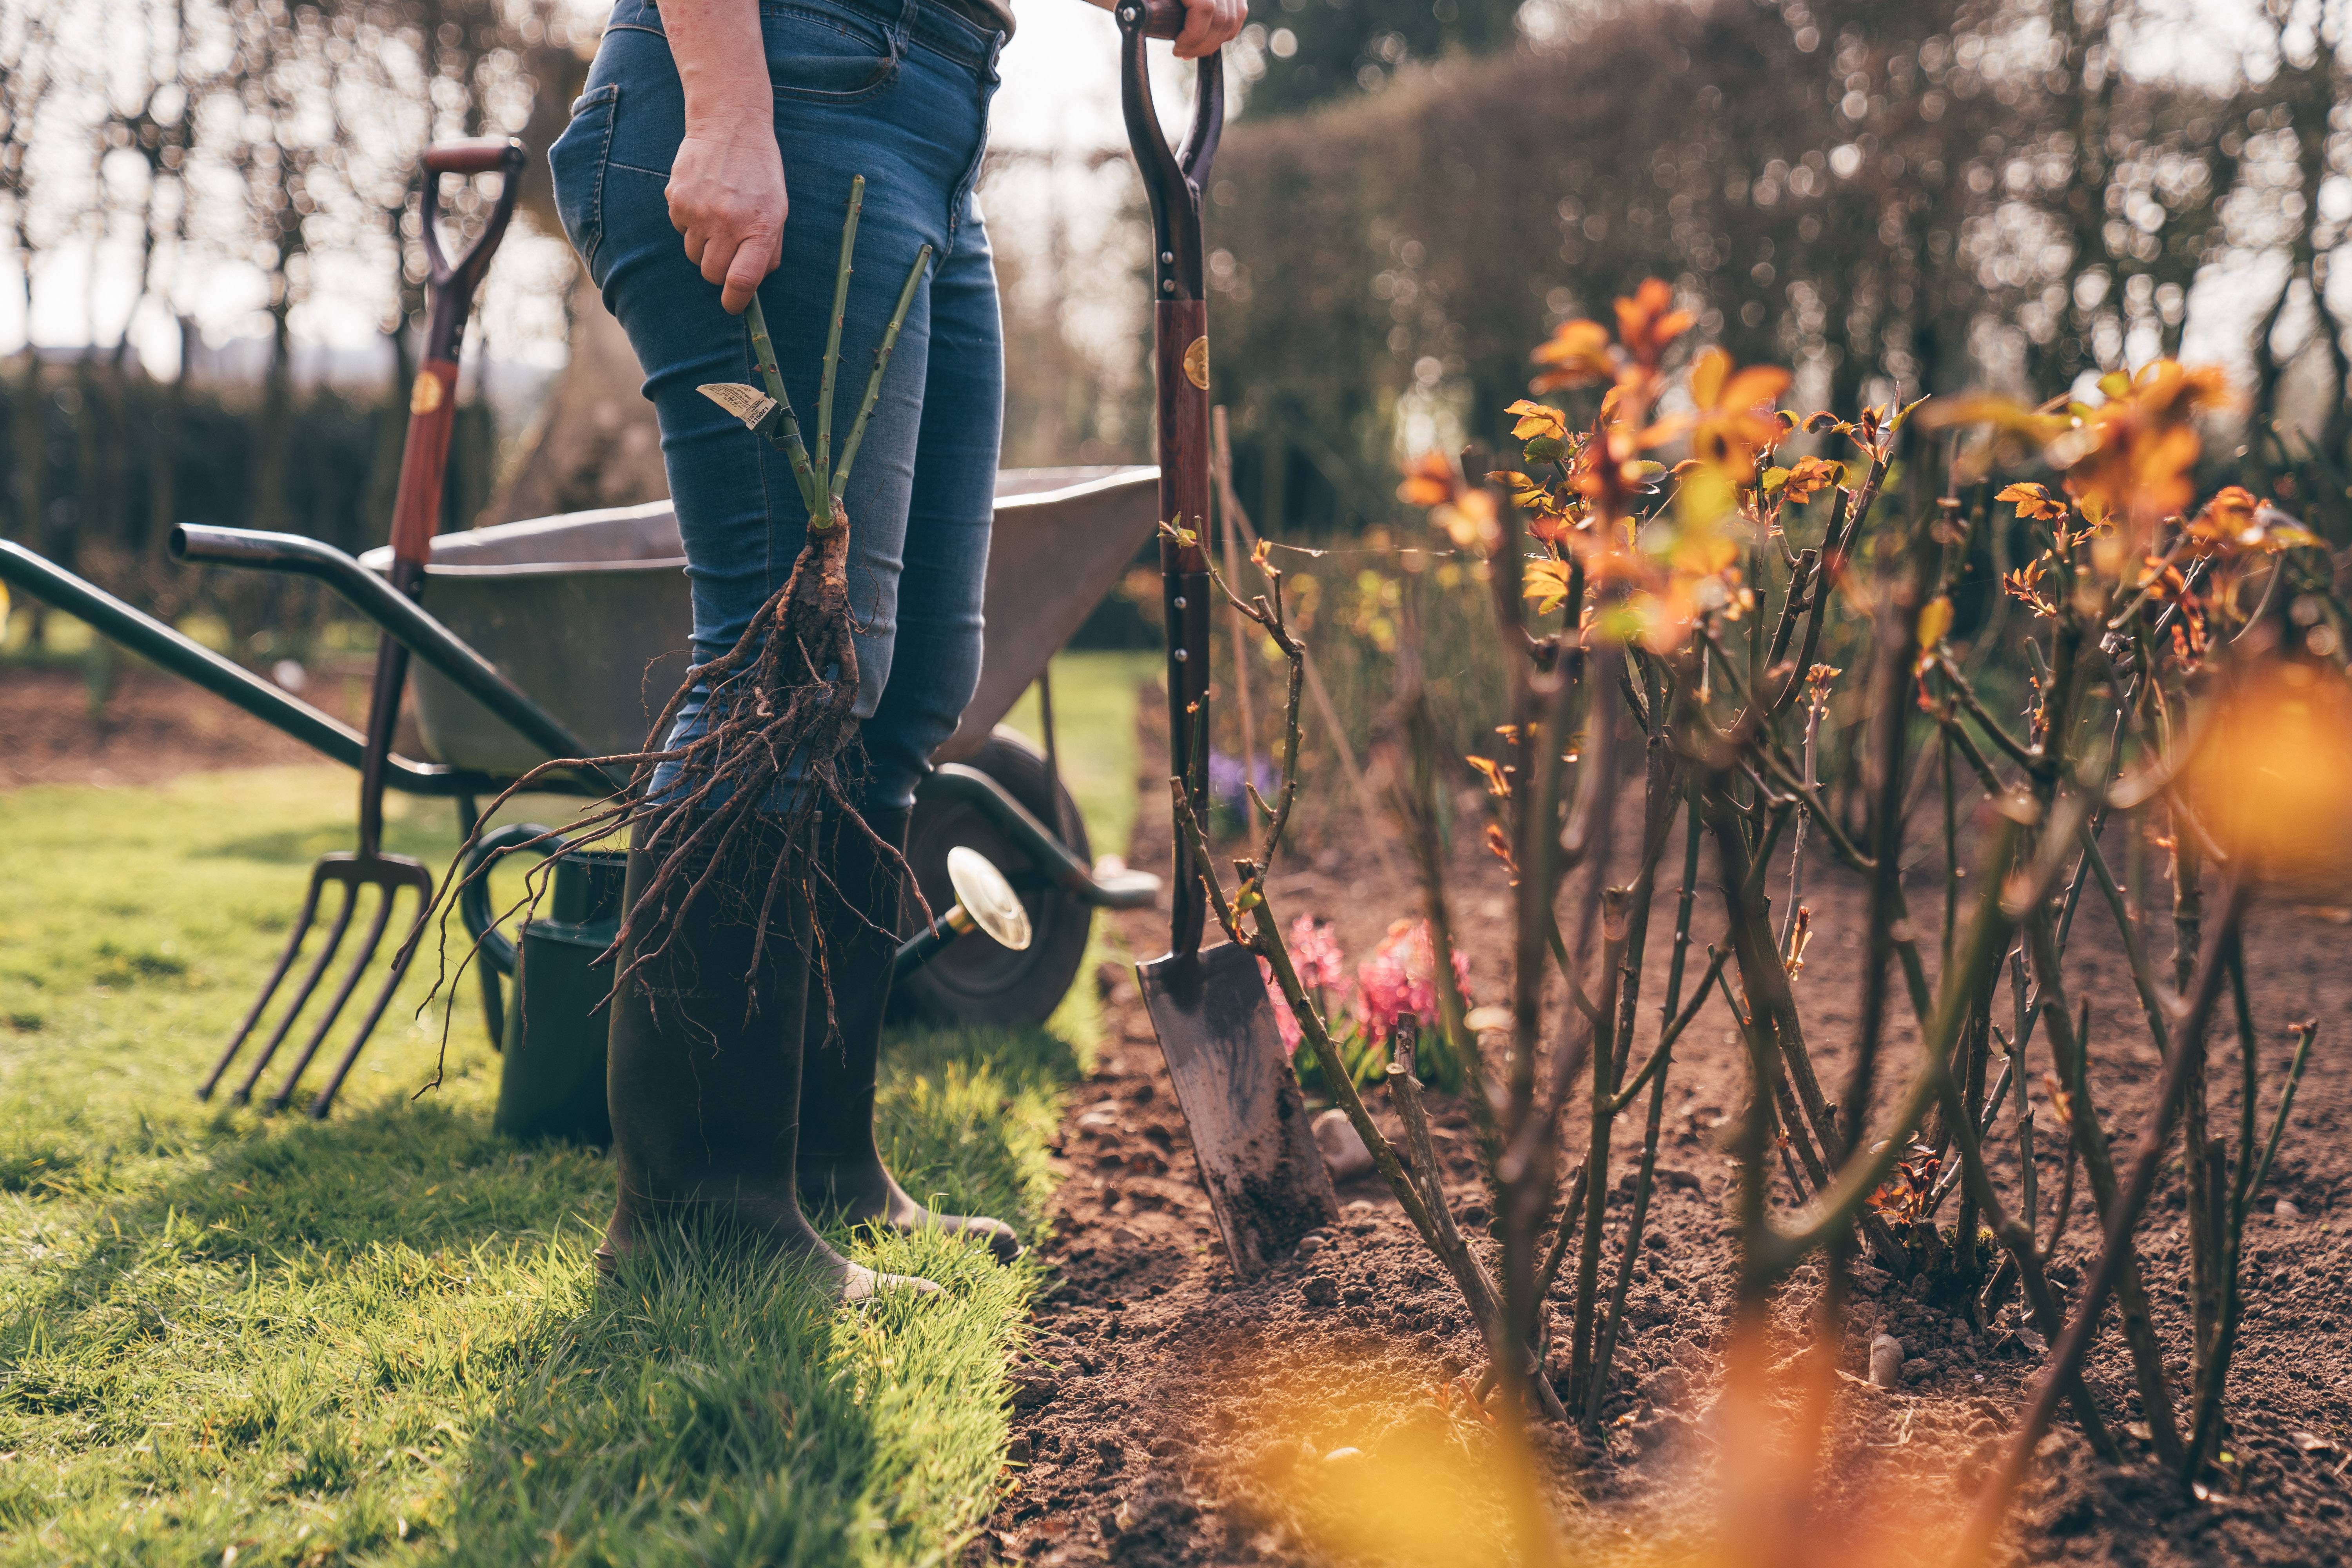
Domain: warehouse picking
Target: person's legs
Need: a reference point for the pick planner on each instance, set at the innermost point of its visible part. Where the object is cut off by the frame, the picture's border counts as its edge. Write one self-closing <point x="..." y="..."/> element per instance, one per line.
<point x="936" y="667"/>
<point x="856" y="93"/>
<point x="951" y="504"/>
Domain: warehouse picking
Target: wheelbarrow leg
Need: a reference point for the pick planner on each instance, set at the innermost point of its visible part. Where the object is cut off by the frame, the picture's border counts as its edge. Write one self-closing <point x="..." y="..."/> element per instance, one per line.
<point x="303" y="993"/>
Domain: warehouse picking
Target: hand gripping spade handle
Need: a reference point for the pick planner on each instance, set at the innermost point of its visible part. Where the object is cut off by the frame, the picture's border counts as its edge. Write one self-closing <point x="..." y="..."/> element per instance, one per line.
<point x="415" y="519"/>
<point x="1265" y="1181"/>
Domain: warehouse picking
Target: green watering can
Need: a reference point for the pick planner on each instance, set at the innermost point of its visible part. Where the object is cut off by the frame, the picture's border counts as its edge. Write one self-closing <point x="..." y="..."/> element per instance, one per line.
<point x="550" y="1028"/>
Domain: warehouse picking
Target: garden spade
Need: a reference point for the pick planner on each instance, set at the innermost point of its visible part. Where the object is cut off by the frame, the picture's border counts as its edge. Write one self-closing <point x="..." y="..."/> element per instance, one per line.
<point x="1209" y="1007"/>
<point x="416" y="518"/>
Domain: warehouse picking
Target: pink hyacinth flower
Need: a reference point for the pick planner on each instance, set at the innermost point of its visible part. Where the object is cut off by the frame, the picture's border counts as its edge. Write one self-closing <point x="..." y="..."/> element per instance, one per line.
<point x="1314" y="955"/>
<point x="1401" y="978"/>
<point x="1283" y="1019"/>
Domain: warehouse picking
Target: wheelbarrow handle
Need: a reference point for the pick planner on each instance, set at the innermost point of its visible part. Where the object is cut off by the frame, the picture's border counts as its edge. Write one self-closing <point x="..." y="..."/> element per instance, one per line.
<point x="174" y="652"/>
<point x="400" y="617"/>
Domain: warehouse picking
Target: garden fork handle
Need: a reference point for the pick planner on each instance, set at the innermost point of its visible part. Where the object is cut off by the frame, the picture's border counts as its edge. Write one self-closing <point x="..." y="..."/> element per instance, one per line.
<point x="432" y="413"/>
<point x="449" y="289"/>
<point x="1180" y="342"/>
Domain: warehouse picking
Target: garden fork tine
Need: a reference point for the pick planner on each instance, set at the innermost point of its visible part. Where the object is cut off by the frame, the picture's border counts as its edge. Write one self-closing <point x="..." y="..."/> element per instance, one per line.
<point x="318" y="962"/>
<point x="269" y="989"/>
<point x="391" y="873"/>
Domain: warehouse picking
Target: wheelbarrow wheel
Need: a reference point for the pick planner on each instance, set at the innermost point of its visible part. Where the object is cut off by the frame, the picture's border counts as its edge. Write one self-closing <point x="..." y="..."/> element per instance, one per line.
<point x="975" y="981"/>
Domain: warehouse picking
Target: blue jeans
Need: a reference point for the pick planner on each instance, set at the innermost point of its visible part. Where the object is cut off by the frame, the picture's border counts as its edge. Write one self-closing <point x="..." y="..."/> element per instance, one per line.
<point x="897" y="91"/>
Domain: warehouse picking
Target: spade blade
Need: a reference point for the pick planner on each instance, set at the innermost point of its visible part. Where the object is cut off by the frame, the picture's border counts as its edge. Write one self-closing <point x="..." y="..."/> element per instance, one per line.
<point x="1266" y="1179"/>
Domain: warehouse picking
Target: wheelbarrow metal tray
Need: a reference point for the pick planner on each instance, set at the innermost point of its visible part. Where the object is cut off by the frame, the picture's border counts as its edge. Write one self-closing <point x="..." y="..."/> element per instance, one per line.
<point x="588" y="611"/>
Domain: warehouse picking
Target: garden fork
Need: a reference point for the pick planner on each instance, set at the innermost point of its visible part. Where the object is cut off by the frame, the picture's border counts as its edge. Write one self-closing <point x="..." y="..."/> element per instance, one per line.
<point x="416" y="518"/>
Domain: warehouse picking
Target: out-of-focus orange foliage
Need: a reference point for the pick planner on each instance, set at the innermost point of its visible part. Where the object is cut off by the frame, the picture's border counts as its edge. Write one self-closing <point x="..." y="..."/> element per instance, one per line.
<point x="2131" y="457"/>
<point x="2128" y="460"/>
<point x="2273" y="782"/>
<point x="1769" y="1426"/>
<point x="2234" y="523"/>
<point x="1429" y="481"/>
<point x="1375" y="1468"/>
<point x="1735" y="418"/>
<point x="1656" y="556"/>
<point x="1578" y="354"/>
<point x="1647" y="324"/>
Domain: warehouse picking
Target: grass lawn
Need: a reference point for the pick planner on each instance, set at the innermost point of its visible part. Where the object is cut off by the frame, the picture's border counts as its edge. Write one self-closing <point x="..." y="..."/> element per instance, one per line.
<point x="233" y="1339"/>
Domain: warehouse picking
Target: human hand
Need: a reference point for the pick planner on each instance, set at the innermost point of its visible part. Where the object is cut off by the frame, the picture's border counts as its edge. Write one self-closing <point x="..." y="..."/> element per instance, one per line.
<point x="728" y="198"/>
<point x="1209" y="25"/>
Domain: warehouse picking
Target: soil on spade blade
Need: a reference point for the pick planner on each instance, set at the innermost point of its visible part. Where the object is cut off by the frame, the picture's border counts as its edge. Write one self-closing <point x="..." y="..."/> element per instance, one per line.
<point x="1168" y="1413"/>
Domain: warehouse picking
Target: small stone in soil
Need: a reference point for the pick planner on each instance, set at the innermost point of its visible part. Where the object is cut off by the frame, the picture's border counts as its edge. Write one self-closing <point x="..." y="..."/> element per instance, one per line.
<point x="1320" y="1291"/>
<point x="2285" y="1208"/>
<point x="1342" y="1148"/>
<point x="1886" y="1361"/>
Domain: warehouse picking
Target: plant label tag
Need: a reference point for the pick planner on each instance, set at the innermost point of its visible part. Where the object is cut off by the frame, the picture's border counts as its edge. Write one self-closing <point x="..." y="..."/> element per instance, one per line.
<point x="755" y="408"/>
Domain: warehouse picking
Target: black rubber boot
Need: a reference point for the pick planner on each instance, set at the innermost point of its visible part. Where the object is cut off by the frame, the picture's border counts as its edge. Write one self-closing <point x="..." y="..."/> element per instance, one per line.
<point x="704" y="1073"/>
<point x="841" y="1172"/>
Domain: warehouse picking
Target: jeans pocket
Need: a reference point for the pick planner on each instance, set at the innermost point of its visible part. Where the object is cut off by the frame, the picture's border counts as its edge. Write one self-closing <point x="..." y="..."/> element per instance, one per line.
<point x="823" y="54"/>
<point x="577" y="163"/>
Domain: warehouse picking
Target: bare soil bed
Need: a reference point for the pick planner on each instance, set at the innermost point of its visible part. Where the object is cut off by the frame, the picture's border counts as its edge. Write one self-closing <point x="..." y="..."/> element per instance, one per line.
<point x="1169" y="1414"/>
<point x="152" y="727"/>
